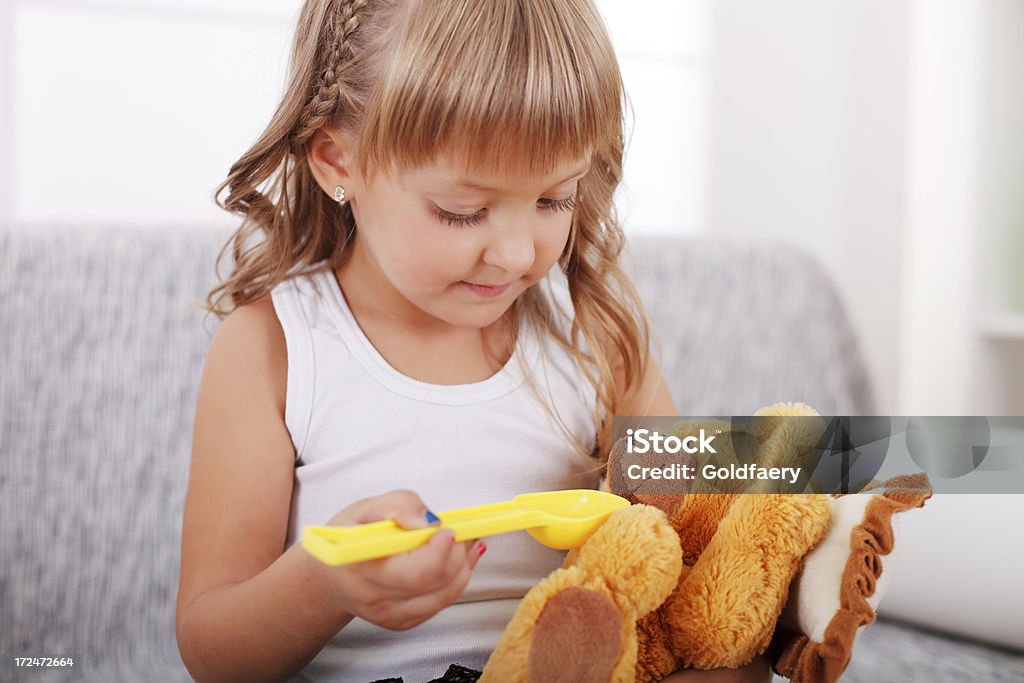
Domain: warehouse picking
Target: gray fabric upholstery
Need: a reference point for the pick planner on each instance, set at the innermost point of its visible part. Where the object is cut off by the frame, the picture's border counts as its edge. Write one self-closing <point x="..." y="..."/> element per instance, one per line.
<point x="100" y="355"/>
<point x="744" y="326"/>
<point x="890" y="651"/>
<point x="101" y="350"/>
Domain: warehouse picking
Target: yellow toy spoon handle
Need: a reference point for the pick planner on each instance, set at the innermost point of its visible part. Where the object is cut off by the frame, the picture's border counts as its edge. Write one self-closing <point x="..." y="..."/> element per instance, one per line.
<point x="558" y="519"/>
<point x="344" y="545"/>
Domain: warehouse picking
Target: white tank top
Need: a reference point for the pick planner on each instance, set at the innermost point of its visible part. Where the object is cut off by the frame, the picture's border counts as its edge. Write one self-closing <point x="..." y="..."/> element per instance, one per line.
<point x="361" y="428"/>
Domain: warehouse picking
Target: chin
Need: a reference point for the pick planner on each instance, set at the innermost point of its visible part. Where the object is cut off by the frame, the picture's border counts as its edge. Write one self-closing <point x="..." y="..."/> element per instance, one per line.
<point x="476" y="316"/>
<point x="481" y="319"/>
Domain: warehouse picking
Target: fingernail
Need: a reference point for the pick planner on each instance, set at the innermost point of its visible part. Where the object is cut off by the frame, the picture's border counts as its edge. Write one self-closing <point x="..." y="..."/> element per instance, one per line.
<point x="481" y="548"/>
<point x="431" y="517"/>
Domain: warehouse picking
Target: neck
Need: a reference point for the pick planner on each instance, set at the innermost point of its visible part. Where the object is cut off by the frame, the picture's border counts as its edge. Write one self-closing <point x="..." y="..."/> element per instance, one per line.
<point x="374" y="301"/>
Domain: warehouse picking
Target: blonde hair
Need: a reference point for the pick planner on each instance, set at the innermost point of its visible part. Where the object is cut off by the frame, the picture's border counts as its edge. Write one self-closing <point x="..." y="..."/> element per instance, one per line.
<point x="493" y="84"/>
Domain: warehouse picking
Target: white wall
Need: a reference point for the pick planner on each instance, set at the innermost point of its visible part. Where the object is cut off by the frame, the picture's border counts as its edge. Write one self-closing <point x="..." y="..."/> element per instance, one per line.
<point x="808" y="146"/>
<point x="886" y="137"/>
<point x="940" y="276"/>
<point x="999" y="385"/>
<point x="132" y="111"/>
<point x="665" y="64"/>
<point x="6" y="106"/>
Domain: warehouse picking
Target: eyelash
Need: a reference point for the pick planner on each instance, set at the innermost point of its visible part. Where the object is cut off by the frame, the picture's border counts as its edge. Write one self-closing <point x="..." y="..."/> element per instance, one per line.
<point x="463" y="220"/>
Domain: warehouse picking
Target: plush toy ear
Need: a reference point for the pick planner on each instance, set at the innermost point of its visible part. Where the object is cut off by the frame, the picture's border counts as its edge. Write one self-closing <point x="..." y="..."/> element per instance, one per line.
<point x="842" y="581"/>
<point x="645" y="491"/>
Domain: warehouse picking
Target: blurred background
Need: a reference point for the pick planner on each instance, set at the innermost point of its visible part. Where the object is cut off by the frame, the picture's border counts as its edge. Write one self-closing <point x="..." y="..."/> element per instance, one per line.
<point x="884" y="137"/>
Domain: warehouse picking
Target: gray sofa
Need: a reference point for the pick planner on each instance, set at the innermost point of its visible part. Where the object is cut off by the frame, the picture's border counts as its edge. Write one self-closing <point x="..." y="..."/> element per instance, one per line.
<point x="101" y="349"/>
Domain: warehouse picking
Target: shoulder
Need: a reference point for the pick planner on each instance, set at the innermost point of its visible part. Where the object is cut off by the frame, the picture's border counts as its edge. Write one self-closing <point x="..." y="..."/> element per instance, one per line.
<point x="249" y="349"/>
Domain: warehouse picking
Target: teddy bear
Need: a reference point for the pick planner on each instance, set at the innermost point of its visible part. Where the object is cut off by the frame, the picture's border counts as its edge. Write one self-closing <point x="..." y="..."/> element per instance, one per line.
<point x="709" y="574"/>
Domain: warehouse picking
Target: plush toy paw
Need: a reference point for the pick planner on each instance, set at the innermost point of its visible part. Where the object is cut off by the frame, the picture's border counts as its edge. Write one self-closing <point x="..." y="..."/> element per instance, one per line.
<point x="580" y="627"/>
<point x="579" y="623"/>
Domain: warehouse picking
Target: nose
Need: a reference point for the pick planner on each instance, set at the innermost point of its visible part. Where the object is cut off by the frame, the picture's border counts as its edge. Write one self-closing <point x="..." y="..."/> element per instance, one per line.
<point x="511" y="247"/>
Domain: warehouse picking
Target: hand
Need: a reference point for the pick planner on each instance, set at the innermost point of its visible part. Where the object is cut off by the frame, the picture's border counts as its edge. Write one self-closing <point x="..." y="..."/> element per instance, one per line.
<point x="404" y="590"/>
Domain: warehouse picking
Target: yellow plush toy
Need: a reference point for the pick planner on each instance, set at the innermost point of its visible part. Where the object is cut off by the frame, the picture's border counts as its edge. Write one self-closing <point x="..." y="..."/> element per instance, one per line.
<point x="700" y="580"/>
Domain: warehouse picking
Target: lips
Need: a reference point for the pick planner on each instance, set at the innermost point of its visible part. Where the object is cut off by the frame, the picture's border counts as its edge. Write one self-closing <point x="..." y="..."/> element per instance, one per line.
<point x="487" y="290"/>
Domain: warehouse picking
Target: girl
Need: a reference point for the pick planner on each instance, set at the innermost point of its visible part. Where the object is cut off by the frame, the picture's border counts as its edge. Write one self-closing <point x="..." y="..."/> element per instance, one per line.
<point x="395" y="334"/>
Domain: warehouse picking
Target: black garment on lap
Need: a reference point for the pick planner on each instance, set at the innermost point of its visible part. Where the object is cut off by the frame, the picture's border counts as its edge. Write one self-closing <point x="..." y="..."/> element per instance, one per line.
<point x="454" y="674"/>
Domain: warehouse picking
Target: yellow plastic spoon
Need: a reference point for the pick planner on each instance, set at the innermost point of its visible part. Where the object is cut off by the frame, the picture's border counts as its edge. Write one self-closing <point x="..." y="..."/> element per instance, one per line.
<point x="558" y="519"/>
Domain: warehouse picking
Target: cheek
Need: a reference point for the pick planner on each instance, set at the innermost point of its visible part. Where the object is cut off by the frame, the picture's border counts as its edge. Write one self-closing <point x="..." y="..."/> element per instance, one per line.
<point x="439" y="258"/>
<point x="420" y="254"/>
<point x="391" y="236"/>
<point x="552" y="243"/>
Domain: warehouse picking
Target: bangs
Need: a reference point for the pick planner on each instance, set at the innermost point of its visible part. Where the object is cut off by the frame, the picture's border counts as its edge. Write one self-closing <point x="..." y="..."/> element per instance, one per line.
<point x="514" y="86"/>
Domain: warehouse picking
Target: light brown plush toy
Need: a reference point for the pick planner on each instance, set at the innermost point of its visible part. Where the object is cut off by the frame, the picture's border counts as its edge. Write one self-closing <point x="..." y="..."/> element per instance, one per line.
<point x="700" y="580"/>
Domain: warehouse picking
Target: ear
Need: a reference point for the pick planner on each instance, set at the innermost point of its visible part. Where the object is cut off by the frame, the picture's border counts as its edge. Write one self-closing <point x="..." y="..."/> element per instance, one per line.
<point x="330" y="154"/>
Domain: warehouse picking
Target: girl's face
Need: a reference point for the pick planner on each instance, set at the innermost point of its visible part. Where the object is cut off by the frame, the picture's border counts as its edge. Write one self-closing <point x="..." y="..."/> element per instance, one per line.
<point x="439" y="244"/>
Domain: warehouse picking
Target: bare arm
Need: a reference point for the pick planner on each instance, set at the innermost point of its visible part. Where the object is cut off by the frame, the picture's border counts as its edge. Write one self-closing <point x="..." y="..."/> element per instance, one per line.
<point x="652" y="397"/>
<point x="246" y="611"/>
<point x="263" y="629"/>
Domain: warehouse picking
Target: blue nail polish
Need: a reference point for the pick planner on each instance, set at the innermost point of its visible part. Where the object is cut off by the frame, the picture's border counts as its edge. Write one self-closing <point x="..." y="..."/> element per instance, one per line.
<point x="432" y="518"/>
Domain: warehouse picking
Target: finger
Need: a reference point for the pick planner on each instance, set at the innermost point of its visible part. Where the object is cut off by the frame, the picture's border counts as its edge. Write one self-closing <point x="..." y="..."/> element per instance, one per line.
<point x="421" y="570"/>
<point x="476" y="551"/>
<point x="416" y="610"/>
<point x="396" y="609"/>
<point x="409" y="510"/>
<point x="403" y="506"/>
<point x="462" y="555"/>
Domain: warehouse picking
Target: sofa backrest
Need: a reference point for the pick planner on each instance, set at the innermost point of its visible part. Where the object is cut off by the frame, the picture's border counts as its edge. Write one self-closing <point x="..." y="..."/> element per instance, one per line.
<point x="746" y="325"/>
<point x="101" y="353"/>
<point x="101" y="350"/>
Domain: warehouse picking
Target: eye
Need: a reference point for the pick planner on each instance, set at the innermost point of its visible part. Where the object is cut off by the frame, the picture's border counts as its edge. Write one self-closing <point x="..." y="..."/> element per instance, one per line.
<point x="469" y="219"/>
<point x="566" y="204"/>
<point x="457" y="219"/>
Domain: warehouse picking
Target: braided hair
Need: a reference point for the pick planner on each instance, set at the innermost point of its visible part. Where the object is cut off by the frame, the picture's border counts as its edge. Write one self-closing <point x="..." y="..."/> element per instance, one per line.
<point x="271" y="185"/>
<point x="341" y="23"/>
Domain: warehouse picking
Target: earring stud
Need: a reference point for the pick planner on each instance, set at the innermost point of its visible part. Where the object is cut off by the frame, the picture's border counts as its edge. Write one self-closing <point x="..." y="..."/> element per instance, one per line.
<point x="339" y="194"/>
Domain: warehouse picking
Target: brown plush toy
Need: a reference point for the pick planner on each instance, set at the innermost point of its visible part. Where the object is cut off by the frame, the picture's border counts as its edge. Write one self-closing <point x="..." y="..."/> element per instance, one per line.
<point x="700" y="580"/>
